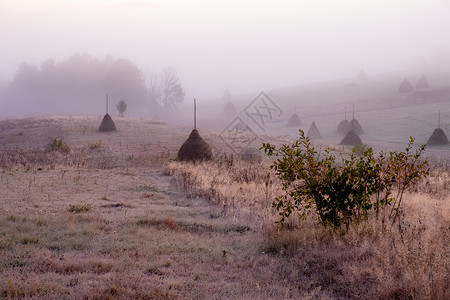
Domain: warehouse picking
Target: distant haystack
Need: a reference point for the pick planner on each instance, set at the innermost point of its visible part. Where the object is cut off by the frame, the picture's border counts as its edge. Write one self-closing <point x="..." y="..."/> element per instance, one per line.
<point x="437" y="138"/>
<point x="351" y="139"/>
<point x="405" y="87"/>
<point x="107" y="124"/>
<point x="195" y="148"/>
<point x="344" y="127"/>
<point x="422" y="83"/>
<point x="294" y="121"/>
<point x="355" y="126"/>
<point x="229" y="111"/>
<point x="362" y="75"/>
<point x="313" y="132"/>
<point x="226" y="95"/>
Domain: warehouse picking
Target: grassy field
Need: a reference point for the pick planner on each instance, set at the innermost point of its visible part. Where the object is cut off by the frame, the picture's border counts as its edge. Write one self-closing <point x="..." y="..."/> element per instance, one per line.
<point x="115" y="216"/>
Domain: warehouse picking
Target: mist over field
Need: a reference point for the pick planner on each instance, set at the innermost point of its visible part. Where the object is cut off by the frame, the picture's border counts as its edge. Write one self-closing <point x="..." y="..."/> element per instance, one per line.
<point x="239" y="149"/>
<point x="63" y="57"/>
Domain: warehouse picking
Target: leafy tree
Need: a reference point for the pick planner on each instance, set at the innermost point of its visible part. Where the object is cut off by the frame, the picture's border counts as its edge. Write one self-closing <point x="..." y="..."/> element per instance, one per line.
<point x="341" y="193"/>
<point x="170" y="87"/>
<point x="121" y="107"/>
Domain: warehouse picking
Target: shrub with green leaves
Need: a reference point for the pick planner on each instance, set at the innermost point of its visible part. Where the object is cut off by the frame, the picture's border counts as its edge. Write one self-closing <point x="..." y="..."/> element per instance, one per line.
<point x="58" y="145"/>
<point x="342" y="193"/>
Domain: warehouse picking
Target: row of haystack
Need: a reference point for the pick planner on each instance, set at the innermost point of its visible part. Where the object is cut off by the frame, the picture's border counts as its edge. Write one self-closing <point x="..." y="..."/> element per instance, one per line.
<point x="406" y="86"/>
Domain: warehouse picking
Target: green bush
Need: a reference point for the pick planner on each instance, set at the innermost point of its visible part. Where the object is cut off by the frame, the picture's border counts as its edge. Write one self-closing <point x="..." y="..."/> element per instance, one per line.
<point x="342" y="193"/>
<point x="58" y="145"/>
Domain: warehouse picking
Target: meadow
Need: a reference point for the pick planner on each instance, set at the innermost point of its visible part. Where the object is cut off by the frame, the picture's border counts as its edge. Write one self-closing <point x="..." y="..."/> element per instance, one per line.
<point x="115" y="216"/>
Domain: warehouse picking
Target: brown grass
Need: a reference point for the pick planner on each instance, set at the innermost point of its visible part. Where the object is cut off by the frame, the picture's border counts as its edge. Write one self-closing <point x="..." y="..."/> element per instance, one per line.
<point x="103" y="222"/>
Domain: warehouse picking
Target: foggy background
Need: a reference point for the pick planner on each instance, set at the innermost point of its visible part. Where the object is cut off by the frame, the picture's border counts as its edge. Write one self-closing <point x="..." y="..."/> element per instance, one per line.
<point x="62" y="57"/>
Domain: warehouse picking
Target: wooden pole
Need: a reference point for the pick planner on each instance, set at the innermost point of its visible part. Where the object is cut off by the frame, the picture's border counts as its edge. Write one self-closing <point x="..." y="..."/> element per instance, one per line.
<point x="439" y="119"/>
<point x="195" y="114"/>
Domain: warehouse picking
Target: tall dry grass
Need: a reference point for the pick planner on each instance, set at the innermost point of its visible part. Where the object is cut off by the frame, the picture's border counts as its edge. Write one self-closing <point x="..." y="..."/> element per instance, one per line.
<point x="373" y="260"/>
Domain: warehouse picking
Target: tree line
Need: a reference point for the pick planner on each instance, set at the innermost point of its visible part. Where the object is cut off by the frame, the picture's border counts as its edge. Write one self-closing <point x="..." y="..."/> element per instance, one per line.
<point x="78" y="85"/>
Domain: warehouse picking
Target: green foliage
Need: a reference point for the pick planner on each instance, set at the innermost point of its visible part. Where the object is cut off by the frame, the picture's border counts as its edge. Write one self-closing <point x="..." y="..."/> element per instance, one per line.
<point x="341" y="193"/>
<point x="58" y="145"/>
<point x="79" y="208"/>
<point x="121" y="107"/>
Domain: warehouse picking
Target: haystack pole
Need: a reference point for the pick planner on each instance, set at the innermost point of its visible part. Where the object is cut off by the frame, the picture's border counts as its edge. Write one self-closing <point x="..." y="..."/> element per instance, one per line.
<point x="195" y="148"/>
<point x="438" y="137"/>
<point x="344" y="125"/>
<point x="107" y="124"/>
<point x="294" y="120"/>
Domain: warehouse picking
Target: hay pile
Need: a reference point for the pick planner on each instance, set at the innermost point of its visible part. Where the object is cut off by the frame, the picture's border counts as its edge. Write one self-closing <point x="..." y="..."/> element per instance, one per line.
<point x="229" y="111"/>
<point x="405" y="86"/>
<point x="362" y="75"/>
<point x="107" y="124"/>
<point x="313" y="132"/>
<point x="195" y="148"/>
<point x="437" y="138"/>
<point x="422" y="83"/>
<point x="355" y="126"/>
<point x="294" y="121"/>
<point x="351" y="139"/>
<point x="344" y="127"/>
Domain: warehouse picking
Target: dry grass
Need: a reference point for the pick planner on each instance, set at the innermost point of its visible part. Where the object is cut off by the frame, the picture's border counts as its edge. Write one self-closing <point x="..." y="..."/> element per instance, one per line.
<point x="373" y="260"/>
<point x="103" y="221"/>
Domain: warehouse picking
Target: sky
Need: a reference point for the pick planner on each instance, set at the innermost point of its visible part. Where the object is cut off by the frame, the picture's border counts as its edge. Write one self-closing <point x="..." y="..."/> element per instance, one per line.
<point x="240" y="45"/>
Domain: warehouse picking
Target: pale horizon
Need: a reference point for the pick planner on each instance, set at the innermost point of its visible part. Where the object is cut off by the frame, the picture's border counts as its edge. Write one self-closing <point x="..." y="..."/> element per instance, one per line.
<point x="243" y="46"/>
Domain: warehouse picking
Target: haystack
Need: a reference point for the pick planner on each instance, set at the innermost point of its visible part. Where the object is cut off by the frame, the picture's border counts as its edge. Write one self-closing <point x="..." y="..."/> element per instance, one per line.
<point x="422" y="83"/>
<point x="405" y="86"/>
<point x="362" y="75"/>
<point x="351" y="138"/>
<point x="229" y="111"/>
<point x="195" y="148"/>
<point x="355" y="126"/>
<point x="437" y="138"/>
<point x="313" y="132"/>
<point x="294" y="121"/>
<point x="344" y="127"/>
<point x="107" y="124"/>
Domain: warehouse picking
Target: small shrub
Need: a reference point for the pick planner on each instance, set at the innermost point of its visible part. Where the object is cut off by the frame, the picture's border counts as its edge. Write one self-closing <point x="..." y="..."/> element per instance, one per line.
<point x="58" y="145"/>
<point x="95" y="145"/>
<point x="79" y="208"/>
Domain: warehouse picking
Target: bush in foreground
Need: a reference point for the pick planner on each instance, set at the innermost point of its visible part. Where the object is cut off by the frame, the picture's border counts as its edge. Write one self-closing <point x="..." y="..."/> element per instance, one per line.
<point x="342" y="193"/>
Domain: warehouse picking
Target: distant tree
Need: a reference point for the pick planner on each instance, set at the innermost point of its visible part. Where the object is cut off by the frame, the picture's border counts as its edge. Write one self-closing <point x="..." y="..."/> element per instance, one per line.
<point x="170" y="88"/>
<point x="153" y="89"/>
<point x="121" y="107"/>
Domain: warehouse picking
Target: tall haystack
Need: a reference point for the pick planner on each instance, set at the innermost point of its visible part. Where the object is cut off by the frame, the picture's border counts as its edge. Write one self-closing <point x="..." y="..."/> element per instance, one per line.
<point x="107" y="124"/>
<point x="437" y="138"/>
<point x="229" y="111"/>
<point x="422" y="83"/>
<point x="351" y="139"/>
<point x="226" y="95"/>
<point x="362" y="75"/>
<point x="405" y="86"/>
<point x="195" y="148"/>
<point x="313" y="132"/>
<point x="355" y="126"/>
<point x="344" y="127"/>
<point x="294" y="121"/>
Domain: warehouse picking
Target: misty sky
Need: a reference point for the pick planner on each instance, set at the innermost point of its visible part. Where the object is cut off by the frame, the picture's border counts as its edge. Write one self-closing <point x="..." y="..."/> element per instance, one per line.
<point x="243" y="45"/>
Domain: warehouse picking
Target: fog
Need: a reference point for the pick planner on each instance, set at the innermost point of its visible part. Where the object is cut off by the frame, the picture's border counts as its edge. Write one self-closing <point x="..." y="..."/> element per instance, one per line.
<point x="243" y="46"/>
